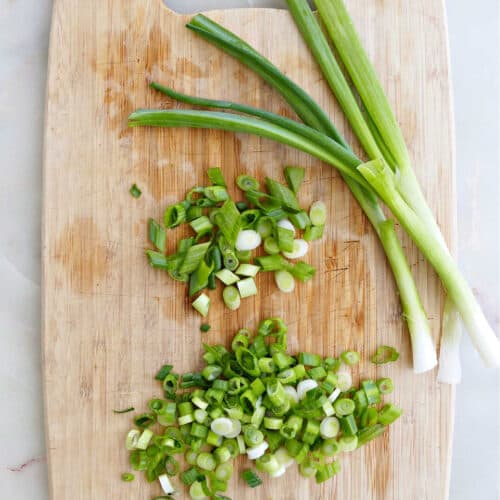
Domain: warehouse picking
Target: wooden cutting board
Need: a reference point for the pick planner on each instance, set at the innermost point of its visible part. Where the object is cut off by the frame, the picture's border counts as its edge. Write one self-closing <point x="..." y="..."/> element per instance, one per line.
<point x="110" y="321"/>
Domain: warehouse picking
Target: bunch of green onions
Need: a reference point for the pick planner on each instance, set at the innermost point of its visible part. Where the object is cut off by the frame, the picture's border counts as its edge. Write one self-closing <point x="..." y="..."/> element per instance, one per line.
<point x="387" y="177"/>
<point x="227" y="232"/>
<point x="257" y="400"/>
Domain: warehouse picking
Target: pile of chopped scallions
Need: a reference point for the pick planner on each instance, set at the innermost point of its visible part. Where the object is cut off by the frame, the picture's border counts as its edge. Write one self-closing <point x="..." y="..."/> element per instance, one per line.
<point x="387" y="177"/>
<point x="227" y="232"/>
<point x="257" y="400"/>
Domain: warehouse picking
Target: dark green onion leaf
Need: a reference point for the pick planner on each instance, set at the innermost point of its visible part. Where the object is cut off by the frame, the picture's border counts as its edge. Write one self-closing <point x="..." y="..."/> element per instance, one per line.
<point x="251" y="478"/>
<point x="157" y="260"/>
<point x="284" y="194"/>
<point x="228" y="221"/>
<point x="124" y="411"/>
<point x="294" y="177"/>
<point x="135" y="191"/>
<point x="216" y="177"/>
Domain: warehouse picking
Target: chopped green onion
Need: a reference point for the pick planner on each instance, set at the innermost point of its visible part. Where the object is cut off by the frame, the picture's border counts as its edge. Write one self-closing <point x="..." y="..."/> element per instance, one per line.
<point x="227" y="219"/>
<point x="348" y="443"/>
<point x="247" y="183"/>
<point x="201" y="225"/>
<point x="135" y="191"/>
<point x="271" y="245"/>
<point x="216" y="193"/>
<point x="369" y="433"/>
<point x="227" y="277"/>
<point x="285" y="239"/>
<point x="283" y="194"/>
<point x="305" y="386"/>
<point x="216" y="177"/>
<point x="127" y="477"/>
<point x="313" y="233"/>
<point x="348" y="425"/>
<point x="126" y="410"/>
<point x="329" y="427"/>
<point x="249" y="270"/>
<point x="317" y="213"/>
<point x="194" y="256"/>
<point x="206" y="461"/>
<point x="385" y="385"/>
<point x="267" y="463"/>
<point x="385" y="354"/>
<point x="257" y="451"/>
<point x="264" y="226"/>
<point x="300" y="248"/>
<point x="284" y="281"/>
<point x="350" y="358"/>
<point x="327" y="471"/>
<point x="388" y="414"/>
<point x="246" y="287"/>
<point x="251" y="478"/>
<point x="294" y="177"/>
<point x="174" y="215"/>
<point x="231" y="297"/>
<point x="202" y="304"/>
<point x="369" y="417"/>
<point x="248" y="239"/>
<point x="371" y="391"/>
<point x="157" y="235"/>
<point x="249" y="218"/>
<point x="300" y="220"/>
<point x="204" y="327"/>
<point x="189" y="476"/>
<point x="302" y="271"/>
<point x="308" y="359"/>
<point x="271" y="262"/>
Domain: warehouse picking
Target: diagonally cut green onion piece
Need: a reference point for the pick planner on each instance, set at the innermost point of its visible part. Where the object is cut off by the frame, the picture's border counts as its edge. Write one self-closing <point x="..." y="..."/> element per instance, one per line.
<point x="200" y="277"/>
<point x="202" y="304"/>
<point x="193" y="257"/>
<point x="249" y="270"/>
<point x="214" y="173"/>
<point x="247" y="287"/>
<point x="227" y="277"/>
<point x="227" y="219"/>
<point x="216" y="193"/>
<point x="174" y="215"/>
<point x="294" y="177"/>
<point x="317" y="213"/>
<point x="201" y="225"/>
<point x="284" y="194"/>
<point x="157" y="260"/>
<point x="157" y="235"/>
<point x="251" y="478"/>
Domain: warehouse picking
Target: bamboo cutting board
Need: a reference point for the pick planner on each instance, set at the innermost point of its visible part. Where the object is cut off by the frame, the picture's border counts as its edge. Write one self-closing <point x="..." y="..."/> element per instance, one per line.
<point x="110" y="321"/>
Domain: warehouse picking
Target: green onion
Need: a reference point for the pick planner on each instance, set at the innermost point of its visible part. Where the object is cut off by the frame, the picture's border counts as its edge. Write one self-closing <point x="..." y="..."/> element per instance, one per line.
<point x="371" y="391"/>
<point x="227" y="277"/>
<point x="202" y="304"/>
<point x="283" y="194"/>
<point x="228" y="219"/>
<point x="369" y="417"/>
<point x="327" y="471"/>
<point x="365" y="435"/>
<point x="189" y="476"/>
<point x="385" y="385"/>
<point x="388" y="414"/>
<point x="251" y="478"/>
<point x="135" y="191"/>
<point x="204" y="327"/>
<point x="302" y="271"/>
<point x="284" y="281"/>
<point x="329" y="427"/>
<point x="248" y="239"/>
<point x="246" y="287"/>
<point x="216" y="193"/>
<point x="267" y="463"/>
<point x="216" y="177"/>
<point x="194" y="256"/>
<point x="350" y="358"/>
<point x="249" y="270"/>
<point x="299" y="249"/>
<point x="285" y="239"/>
<point x="294" y="177"/>
<point x="300" y="220"/>
<point x="206" y="461"/>
<point x="126" y="410"/>
<point x="249" y="218"/>
<point x="201" y="225"/>
<point x="174" y="215"/>
<point x="231" y="297"/>
<point x="127" y="477"/>
<point x="309" y="359"/>
<point x="271" y="245"/>
<point x="385" y="354"/>
<point x="317" y="213"/>
<point x="247" y="183"/>
<point x="157" y="235"/>
<point x="313" y="233"/>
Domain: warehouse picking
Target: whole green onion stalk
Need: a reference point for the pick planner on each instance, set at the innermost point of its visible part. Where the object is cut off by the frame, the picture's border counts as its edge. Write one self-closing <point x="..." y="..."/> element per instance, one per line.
<point x="380" y="177"/>
<point x="379" y="126"/>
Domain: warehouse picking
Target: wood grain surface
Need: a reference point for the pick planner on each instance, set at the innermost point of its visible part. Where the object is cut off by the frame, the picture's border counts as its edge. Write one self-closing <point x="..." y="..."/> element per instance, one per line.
<point x="110" y="321"/>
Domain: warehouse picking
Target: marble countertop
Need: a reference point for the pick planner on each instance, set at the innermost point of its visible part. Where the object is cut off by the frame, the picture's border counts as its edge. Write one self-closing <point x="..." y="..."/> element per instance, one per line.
<point x="24" y="32"/>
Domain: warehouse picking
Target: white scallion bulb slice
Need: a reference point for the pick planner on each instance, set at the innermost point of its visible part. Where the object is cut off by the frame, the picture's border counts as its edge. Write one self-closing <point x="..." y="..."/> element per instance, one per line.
<point x="279" y="472"/>
<point x="334" y="395"/>
<point x="236" y="429"/>
<point x="221" y="426"/>
<point x="291" y="393"/>
<point x="286" y="224"/>
<point x="284" y="281"/>
<point x="304" y="386"/>
<point x="248" y="239"/>
<point x="257" y="451"/>
<point x="344" y="381"/>
<point x="283" y="457"/>
<point x="166" y="485"/>
<point x="329" y="427"/>
<point x="300" y="248"/>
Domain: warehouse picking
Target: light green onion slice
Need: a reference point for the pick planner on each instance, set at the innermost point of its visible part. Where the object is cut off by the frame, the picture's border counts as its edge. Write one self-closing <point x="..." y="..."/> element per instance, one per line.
<point x="300" y="248"/>
<point x="157" y="235"/>
<point x="241" y="444"/>
<point x="231" y="297"/>
<point x="334" y="395"/>
<point x="196" y="491"/>
<point x="227" y="277"/>
<point x="202" y="304"/>
<point x="294" y="177"/>
<point x="135" y="191"/>
<point x="249" y="270"/>
<point x="284" y="281"/>
<point x="131" y="439"/>
<point x="271" y="246"/>
<point x="206" y="461"/>
<point x="305" y="386"/>
<point x="267" y="463"/>
<point x="348" y="443"/>
<point x="216" y="193"/>
<point x="330" y="447"/>
<point x="144" y="439"/>
<point x="329" y="427"/>
<point x="317" y="213"/>
<point x="291" y="393"/>
<point x="236" y="429"/>
<point x="350" y="357"/>
<point x="201" y="225"/>
<point x="247" y="287"/>
<point x="216" y="177"/>
<point x="313" y="233"/>
<point x="385" y="385"/>
<point x="344" y="380"/>
<point x="247" y="183"/>
<point x="385" y="354"/>
<point x="248" y="239"/>
<point x="283" y="457"/>
<point x="264" y="227"/>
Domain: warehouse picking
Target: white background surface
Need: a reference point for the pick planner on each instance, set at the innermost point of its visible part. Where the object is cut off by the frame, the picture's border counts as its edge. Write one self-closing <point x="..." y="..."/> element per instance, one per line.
<point x="24" y="31"/>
